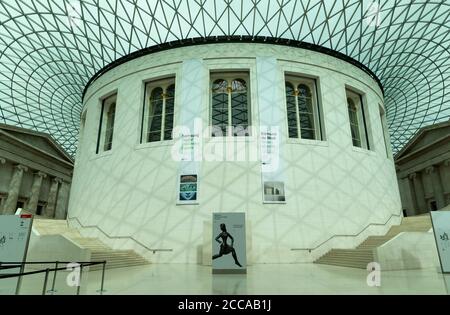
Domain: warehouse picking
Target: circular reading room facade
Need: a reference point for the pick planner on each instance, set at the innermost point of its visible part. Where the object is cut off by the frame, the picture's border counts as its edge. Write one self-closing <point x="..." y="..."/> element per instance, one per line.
<point x="294" y="136"/>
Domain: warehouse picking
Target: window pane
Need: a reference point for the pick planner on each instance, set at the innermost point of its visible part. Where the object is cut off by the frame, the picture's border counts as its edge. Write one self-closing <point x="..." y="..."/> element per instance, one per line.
<point x="306" y="112"/>
<point x="109" y="133"/>
<point x="291" y="111"/>
<point x="239" y="108"/>
<point x="155" y="115"/>
<point x="354" y="123"/>
<point x="170" y="106"/>
<point x="220" y="86"/>
<point x="219" y="112"/>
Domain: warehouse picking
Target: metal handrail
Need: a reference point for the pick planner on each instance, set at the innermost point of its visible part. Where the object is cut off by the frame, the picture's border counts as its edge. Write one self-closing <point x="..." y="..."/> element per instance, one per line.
<point x="347" y="235"/>
<point x="13" y="265"/>
<point x="118" y="237"/>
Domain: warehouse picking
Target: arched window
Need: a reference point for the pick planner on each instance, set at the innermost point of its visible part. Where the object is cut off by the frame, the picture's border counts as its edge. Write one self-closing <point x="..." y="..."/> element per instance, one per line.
<point x="239" y="107"/>
<point x="159" y="111"/>
<point x="219" y="107"/>
<point x="291" y="111"/>
<point x="106" y="126"/>
<point x="303" y="112"/>
<point x="155" y="115"/>
<point x="358" y="120"/>
<point x="230" y="105"/>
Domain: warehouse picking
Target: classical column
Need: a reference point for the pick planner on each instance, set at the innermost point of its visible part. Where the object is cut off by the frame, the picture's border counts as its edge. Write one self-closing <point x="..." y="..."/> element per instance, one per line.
<point x="419" y="193"/>
<point x="35" y="192"/>
<point x="437" y="186"/>
<point x="61" y="204"/>
<point x="52" y="197"/>
<point x="14" y="189"/>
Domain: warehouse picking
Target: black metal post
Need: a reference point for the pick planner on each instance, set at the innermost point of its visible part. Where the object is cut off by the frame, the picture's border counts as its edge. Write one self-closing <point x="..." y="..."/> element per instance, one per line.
<point x="54" y="278"/>
<point x="103" y="279"/>
<point x="45" y="281"/>
<point x="79" y="283"/>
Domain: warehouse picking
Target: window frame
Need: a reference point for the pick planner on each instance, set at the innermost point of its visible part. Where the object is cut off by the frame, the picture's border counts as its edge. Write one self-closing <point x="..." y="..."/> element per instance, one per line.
<point x="150" y="86"/>
<point x="385" y="131"/>
<point x="106" y="103"/>
<point x="362" y="117"/>
<point x="230" y="76"/>
<point x="312" y="84"/>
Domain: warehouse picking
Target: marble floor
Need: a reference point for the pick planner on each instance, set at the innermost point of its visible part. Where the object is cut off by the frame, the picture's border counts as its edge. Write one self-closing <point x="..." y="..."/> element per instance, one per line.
<point x="295" y="279"/>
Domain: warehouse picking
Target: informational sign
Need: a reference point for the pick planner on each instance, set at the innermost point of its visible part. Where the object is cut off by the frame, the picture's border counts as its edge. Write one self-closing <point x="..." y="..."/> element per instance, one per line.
<point x="271" y="138"/>
<point x="228" y="243"/>
<point x="15" y="234"/>
<point x="189" y="136"/>
<point x="441" y="227"/>
<point x="274" y="192"/>
<point x="188" y="189"/>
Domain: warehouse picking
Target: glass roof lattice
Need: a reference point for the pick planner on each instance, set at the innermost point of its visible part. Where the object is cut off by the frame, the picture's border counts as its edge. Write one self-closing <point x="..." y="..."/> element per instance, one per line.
<point x="49" y="49"/>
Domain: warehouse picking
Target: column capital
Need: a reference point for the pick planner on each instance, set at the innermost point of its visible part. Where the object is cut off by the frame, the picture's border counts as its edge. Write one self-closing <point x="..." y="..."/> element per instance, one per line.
<point x="2" y="161"/>
<point x="447" y="162"/>
<point x="430" y="169"/>
<point x="57" y="180"/>
<point x="41" y="174"/>
<point x="412" y="176"/>
<point x="21" y="167"/>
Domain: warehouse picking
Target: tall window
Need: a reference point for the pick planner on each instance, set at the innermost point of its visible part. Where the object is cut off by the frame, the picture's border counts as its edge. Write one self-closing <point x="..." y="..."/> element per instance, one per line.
<point x="303" y="112"/>
<point x="384" y="128"/>
<point x="230" y="110"/>
<point x="106" y="126"/>
<point x="358" y="121"/>
<point x="158" y="115"/>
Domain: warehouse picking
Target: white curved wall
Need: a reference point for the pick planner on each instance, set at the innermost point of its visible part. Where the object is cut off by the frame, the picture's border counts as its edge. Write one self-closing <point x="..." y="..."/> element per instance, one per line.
<point x="332" y="188"/>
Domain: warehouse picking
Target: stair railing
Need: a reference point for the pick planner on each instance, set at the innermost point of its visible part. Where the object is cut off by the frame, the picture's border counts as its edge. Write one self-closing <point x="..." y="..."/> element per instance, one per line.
<point x="119" y="237"/>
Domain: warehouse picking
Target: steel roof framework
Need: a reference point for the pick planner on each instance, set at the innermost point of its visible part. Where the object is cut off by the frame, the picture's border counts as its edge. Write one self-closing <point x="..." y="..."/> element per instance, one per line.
<point x="49" y="49"/>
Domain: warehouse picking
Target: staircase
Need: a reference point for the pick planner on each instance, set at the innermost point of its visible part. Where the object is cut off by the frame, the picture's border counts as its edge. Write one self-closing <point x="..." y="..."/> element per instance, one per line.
<point x="362" y="255"/>
<point x="99" y="251"/>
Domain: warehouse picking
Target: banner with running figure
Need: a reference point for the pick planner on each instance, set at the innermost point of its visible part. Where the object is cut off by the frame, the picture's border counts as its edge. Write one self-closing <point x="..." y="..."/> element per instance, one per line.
<point x="188" y="133"/>
<point x="270" y="101"/>
<point x="229" y="244"/>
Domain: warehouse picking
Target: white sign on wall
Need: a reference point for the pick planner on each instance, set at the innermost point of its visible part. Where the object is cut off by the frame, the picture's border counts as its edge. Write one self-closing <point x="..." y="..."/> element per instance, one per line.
<point x="14" y="238"/>
<point x="441" y="227"/>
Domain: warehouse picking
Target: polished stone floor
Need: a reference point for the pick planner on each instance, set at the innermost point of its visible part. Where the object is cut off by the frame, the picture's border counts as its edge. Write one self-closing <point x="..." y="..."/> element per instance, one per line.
<point x="261" y="279"/>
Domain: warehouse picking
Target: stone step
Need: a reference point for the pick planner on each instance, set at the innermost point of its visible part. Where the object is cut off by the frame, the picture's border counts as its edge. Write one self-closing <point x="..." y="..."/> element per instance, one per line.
<point x="99" y="250"/>
<point x="363" y="254"/>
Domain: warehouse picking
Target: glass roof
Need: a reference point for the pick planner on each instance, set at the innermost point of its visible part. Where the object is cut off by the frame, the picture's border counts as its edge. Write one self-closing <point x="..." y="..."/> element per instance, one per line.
<point x="49" y="49"/>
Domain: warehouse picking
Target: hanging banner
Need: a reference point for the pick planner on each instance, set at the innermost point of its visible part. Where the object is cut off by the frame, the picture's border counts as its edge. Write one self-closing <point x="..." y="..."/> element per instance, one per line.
<point x="189" y="134"/>
<point x="441" y="227"/>
<point x="271" y="121"/>
<point x="15" y="231"/>
<point x="228" y="244"/>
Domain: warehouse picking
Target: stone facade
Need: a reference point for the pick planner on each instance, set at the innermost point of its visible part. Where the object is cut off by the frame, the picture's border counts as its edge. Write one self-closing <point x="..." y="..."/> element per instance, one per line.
<point x="423" y="170"/>
<point x="35" y="173"/>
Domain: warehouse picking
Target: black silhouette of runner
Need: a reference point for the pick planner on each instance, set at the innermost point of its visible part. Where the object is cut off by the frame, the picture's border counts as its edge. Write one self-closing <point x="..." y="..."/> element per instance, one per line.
<point x="226" y="249"/>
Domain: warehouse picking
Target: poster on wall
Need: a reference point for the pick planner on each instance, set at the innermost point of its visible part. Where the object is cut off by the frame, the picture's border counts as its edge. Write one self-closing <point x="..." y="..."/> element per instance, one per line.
<point x="188" y="189"/>
<point x="15" y="231"/>
<point x="274" y="192"/>
<point x="229" y="243"/>
<point x="441" y="227"/>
